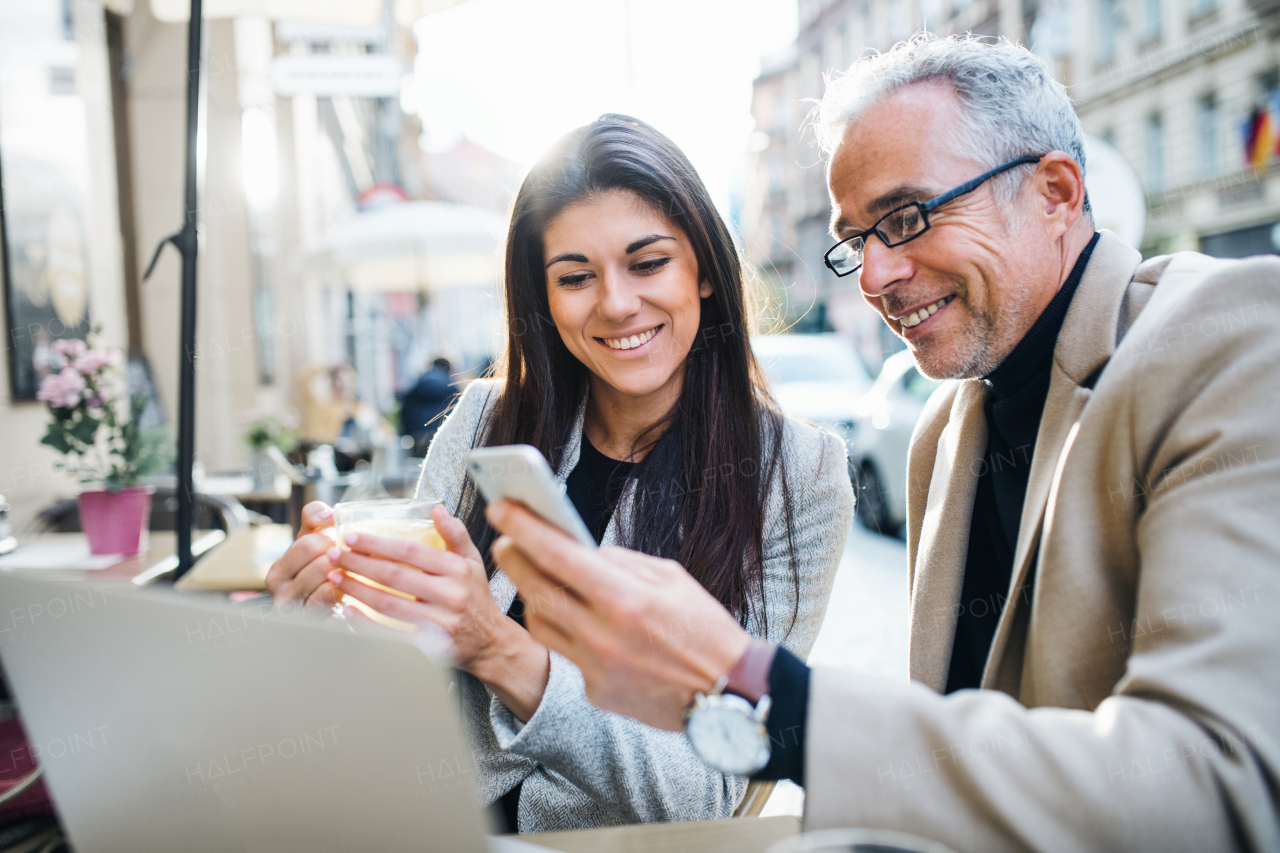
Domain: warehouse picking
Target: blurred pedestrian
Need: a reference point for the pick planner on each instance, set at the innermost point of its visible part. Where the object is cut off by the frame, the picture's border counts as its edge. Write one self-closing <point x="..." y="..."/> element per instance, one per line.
<point x="423" y="404"/>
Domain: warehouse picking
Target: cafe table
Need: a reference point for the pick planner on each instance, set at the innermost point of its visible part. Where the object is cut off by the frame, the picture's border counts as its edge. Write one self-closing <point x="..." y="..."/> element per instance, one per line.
<point x="732" y="835"/>
<point x="66" y="555"/>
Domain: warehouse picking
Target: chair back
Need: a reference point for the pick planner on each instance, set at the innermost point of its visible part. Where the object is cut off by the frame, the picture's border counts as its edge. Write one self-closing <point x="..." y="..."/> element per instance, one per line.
<point x="753" y="801"/>
<point x="212" y="512"/>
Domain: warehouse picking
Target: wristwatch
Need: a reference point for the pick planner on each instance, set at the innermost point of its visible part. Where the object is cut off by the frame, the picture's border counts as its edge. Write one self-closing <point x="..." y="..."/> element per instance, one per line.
<point x="727" y="726"/>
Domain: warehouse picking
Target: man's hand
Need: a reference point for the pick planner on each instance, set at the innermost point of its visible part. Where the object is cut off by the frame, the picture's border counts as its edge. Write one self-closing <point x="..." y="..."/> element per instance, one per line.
<point x="645" y="634"/>
<point x="301" y="572"/>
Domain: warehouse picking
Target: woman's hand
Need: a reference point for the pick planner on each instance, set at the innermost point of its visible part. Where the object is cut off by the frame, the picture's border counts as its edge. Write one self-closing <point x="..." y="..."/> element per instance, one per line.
<point x="449" y="589"/>
<point x="301" y="573"/>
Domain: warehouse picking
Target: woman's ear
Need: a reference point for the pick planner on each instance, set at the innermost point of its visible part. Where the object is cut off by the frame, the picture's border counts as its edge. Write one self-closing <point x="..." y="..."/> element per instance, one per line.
<point x="704" y="289"/>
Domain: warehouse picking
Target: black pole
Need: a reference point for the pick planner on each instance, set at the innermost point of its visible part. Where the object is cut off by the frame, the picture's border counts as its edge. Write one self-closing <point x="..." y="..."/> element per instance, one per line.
<point x="187" y="243"/>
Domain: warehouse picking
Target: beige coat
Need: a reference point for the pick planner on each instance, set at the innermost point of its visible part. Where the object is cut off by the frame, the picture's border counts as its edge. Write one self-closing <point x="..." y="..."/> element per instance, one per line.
<point x="1134" y="686"/>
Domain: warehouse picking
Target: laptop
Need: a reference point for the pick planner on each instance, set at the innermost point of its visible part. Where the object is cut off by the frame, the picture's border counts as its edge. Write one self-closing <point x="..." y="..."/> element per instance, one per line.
<point x="180" y="723"/>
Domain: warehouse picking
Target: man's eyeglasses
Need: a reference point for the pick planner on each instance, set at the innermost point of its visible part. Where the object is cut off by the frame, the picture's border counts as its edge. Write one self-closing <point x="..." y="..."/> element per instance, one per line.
<point x="904" y="224"/>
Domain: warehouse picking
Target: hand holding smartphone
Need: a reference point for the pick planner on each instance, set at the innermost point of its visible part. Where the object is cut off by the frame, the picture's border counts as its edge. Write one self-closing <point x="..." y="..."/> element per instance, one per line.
<point x="518" y="472"/>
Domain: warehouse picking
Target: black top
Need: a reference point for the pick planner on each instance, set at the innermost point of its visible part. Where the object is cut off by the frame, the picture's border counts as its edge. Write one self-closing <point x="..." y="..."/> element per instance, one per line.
<point x="594" y="486"/>
<point x="1019" y="387"/>
<point x="1013" y="409"/>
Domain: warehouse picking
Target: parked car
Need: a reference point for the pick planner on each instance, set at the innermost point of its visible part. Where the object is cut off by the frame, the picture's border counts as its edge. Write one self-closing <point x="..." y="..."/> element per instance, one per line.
<point x="816" y="378"/>
<point x="885" y="419"/>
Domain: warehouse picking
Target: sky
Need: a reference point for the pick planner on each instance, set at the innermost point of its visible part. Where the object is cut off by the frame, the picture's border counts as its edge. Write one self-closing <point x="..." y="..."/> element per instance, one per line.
<point x="514" y="75"/>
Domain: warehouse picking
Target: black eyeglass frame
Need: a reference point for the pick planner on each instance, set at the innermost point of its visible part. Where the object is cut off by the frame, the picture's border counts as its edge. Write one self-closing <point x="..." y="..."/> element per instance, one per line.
<point x="925" y="208"/>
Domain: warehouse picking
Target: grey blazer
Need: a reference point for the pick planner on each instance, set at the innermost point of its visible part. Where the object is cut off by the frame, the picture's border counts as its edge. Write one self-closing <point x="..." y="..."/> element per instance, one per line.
<point x="583" y="767"/>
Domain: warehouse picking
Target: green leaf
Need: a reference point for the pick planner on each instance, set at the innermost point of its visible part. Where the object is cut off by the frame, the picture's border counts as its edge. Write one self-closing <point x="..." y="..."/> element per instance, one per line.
<point x="84" y="430"/>
<point x="57" y="440"/>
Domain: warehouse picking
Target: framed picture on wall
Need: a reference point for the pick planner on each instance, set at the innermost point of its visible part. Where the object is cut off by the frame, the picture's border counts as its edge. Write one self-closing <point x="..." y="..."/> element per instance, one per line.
<point x="44" y="184"/>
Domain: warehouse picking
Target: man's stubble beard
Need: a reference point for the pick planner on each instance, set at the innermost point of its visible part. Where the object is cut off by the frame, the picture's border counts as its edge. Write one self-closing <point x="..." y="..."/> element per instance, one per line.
<point x="981" y="347"/>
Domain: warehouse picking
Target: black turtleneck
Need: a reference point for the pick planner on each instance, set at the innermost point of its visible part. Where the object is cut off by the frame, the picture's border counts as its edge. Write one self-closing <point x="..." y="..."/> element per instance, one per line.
<point x="1018" y="388"/>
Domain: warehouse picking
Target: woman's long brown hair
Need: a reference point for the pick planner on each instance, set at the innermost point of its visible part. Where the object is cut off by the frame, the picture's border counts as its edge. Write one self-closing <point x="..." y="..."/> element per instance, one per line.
<point x="701" y="491"/>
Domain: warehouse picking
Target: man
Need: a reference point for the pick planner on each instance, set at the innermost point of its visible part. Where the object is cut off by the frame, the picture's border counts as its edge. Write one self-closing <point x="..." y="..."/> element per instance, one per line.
<point x="1092" y="506"/>
<point x="423" y="404"/>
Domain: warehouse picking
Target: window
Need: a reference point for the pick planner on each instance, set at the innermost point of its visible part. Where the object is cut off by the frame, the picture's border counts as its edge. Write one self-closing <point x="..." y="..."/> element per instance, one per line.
<point x="1151" y="19"/>
<point x="1155" y="152"/>
<point x="1106" y="30"/>
<point x="855" y="37"/>
<point x="1202" y="7"/>
<point x="1207" y="125"/>
<point x="899" y="21"/>
<point x="832" y="50"/>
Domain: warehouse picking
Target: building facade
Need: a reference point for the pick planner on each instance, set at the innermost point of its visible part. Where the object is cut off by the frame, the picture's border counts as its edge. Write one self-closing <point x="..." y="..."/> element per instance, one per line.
<point x="1188" y="91"/>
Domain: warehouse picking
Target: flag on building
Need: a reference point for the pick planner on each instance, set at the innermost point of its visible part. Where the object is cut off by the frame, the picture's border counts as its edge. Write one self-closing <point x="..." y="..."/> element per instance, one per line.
<point x="1262" y="132"/>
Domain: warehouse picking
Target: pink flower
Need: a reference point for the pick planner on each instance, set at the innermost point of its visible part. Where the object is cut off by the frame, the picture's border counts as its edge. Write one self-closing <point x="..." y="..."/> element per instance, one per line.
<point x="96" y="359"/>
<point x="72" y="348"/>
<point x="62" y="390"/>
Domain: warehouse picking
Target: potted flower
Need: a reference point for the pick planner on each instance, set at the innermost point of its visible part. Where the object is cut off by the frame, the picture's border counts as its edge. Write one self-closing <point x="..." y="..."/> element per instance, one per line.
<point x="261" y="433"/>
<point x="101" y="448"/>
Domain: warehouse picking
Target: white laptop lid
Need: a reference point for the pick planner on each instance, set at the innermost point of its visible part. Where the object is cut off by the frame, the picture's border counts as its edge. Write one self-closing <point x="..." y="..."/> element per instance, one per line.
<point x="172" y="722"/>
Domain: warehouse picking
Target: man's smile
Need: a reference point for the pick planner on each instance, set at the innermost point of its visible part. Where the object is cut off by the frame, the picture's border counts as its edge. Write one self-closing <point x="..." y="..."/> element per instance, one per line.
<point x="915" y="316"/>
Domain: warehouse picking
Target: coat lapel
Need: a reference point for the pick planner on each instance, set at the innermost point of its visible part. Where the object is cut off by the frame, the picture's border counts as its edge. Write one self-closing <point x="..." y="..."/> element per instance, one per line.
<point x="944" y="537"/>
<point x="1085" y="344"/>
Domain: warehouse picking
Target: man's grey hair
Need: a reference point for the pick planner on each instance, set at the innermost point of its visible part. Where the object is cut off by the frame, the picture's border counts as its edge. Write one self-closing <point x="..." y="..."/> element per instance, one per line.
<point x="1009" y="104"/>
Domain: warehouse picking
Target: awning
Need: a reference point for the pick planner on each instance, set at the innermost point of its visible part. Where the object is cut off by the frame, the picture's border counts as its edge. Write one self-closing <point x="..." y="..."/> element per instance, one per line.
<point x="354" y="13"/>
<point x="411" y="246"/>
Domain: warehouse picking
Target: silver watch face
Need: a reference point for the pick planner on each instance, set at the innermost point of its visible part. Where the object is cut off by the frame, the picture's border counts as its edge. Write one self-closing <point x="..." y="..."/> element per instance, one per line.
<point x="722" y="730"/>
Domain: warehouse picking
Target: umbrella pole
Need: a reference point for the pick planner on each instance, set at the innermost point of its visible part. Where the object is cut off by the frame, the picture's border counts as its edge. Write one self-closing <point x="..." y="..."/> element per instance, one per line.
<point x="187" y="242"/>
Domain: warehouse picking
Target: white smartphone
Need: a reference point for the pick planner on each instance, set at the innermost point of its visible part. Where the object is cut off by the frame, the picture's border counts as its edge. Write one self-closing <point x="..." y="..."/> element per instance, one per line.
<point x="518" y="472"/>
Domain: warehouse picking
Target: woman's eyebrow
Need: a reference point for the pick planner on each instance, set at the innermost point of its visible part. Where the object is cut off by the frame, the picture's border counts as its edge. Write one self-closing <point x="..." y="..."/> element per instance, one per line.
<point x="568" y="256"/>
<point x="645" y="241"/>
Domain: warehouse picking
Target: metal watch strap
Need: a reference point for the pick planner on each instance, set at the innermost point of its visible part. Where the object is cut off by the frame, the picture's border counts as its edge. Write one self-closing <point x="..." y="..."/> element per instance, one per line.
<point x="749" y="677"/>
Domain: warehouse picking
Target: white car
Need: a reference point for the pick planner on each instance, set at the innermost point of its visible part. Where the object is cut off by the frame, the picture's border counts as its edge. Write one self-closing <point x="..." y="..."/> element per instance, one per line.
<point x="887" y="415"/>
<point x="816" y="378"/>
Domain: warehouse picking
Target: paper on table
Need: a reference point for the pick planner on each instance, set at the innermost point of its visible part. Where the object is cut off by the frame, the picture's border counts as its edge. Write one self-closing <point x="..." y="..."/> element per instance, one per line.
<point x="57" y="555"/>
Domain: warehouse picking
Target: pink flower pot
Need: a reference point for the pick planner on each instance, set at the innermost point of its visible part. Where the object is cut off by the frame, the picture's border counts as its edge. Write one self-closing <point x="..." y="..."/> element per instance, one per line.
<point x="116" y="522"/>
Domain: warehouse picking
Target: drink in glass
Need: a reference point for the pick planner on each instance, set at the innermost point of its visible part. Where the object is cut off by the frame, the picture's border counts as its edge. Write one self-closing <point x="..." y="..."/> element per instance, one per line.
<point x="409" y="518"/>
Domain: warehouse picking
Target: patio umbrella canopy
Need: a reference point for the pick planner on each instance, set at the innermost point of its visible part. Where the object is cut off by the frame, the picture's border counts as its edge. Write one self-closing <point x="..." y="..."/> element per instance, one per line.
<point x="411" y="246"/>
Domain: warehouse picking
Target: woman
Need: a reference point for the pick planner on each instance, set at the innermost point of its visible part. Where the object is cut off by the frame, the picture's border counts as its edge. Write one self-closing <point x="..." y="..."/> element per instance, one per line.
<point x="628" y="366"/>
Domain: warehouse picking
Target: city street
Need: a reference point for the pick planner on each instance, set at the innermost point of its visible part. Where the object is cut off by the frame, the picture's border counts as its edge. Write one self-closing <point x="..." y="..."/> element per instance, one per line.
<point x="866" y="625"/>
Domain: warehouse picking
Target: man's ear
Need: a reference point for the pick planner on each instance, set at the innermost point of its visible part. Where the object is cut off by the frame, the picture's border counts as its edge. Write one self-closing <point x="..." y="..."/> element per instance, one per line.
<point x="704" y="289"/>
<point x="1059" y="188"/>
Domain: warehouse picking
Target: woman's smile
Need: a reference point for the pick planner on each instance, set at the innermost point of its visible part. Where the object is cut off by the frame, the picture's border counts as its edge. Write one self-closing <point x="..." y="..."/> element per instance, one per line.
<point x="630" y="343"/>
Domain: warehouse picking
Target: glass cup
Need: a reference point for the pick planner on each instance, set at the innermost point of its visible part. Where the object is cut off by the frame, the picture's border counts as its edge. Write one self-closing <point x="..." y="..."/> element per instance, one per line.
<point x="409" y="518"/>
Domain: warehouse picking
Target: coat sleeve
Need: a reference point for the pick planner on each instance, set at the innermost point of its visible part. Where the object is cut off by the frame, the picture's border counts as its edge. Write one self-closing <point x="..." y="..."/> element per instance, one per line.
<point x="643" y="774"/>
<point x="1184" y="753"/>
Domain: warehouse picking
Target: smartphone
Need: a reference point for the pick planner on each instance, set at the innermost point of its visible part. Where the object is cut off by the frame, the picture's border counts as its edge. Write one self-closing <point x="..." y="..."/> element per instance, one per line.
<point x="518" y="472"/>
